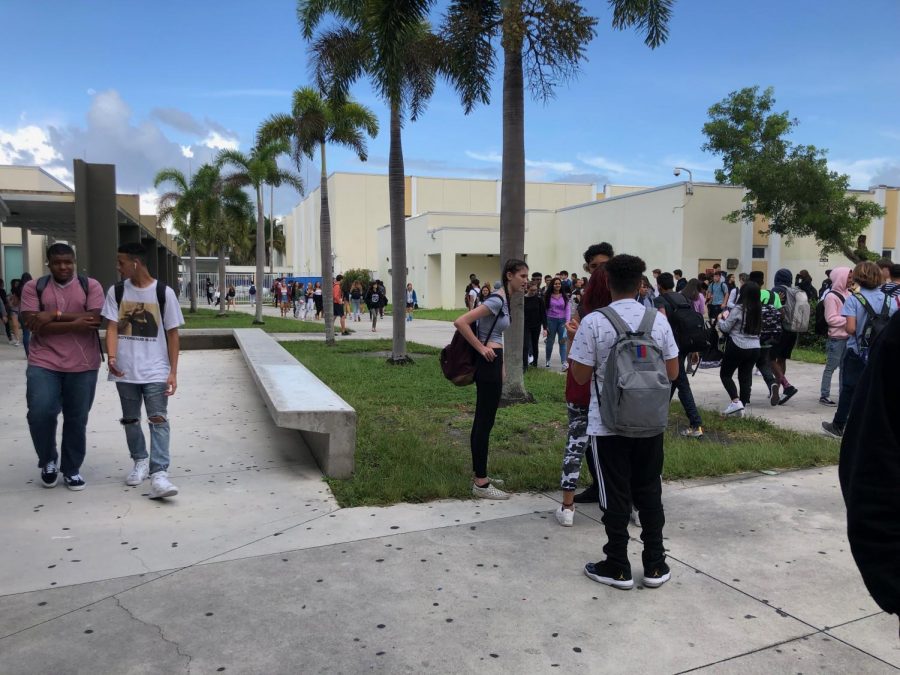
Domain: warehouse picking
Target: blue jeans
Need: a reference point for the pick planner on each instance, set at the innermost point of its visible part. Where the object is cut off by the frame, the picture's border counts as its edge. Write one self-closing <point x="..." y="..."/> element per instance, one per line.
<point x="49" y="392"/>
<point x="685" y="395"/>
<point x="834" y="354"/>
<point x="153" y="396"/>
<point x="556" y="329"/>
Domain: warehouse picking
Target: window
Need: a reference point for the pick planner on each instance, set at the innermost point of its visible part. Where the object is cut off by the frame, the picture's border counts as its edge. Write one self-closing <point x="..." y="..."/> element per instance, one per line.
<point x="888" y="253"/>
<point x="759" y="252"/>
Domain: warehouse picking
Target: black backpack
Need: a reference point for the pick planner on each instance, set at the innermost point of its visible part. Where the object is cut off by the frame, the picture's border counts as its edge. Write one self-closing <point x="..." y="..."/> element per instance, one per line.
<point x="821" y="323"/>
<point x="874" y="326"/>
<point x="687" y="325"/>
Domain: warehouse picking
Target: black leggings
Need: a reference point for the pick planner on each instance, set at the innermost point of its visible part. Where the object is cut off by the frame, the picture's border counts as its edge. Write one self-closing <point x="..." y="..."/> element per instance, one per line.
<point x="488" y="387"/>
<point x="530" y="348"/>
<point x="741" y="360"/>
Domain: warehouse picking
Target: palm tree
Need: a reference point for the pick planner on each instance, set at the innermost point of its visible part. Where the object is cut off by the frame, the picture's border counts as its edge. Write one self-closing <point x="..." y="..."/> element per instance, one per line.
<point x="180" y="205"/>
<point x="258" y="168"/>
<point x="313" y="123"/>
<point x="545" y="39"/>
<point x="390" y="42"/>
<point x="276" y="239"/>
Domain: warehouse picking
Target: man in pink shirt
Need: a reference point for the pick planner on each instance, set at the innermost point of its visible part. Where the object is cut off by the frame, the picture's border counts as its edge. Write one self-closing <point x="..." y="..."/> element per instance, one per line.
<point x="63" y="312"/>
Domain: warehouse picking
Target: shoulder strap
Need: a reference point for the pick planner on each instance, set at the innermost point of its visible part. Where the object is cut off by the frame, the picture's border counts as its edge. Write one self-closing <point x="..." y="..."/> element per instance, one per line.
<point x="840" y="297"/>
<point x="496" y="316"/>
<point x="119" y="290"/>
<point x="862" y="299"/>
<point x="39" y="287"/>
<point x="613" y="317"/>
<point x="161" y="299"/>
<point x="647" y="322"/>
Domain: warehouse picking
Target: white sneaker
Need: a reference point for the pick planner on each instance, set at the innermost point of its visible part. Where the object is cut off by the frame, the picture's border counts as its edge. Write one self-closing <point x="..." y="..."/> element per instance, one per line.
<point x="488" y="492"/>
<point x="140" y="471"/>
<point x="564" y="516"/>
<point x="161" y="487"/>
<point x="635" y="516"/>
<point x="735" y="408"/>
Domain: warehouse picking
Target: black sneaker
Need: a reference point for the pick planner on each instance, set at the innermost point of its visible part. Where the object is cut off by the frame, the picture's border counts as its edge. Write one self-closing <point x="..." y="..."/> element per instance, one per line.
<point x="832" y="430"/>
<point x="75" y="482"/>
<point x="589" y="496"/>
<point x="786" y="396"/>
<point x="49" y="475"/>
<point x="605" y="572"/>
<point x="773" y="394"/>
<point x="657" y="574"/>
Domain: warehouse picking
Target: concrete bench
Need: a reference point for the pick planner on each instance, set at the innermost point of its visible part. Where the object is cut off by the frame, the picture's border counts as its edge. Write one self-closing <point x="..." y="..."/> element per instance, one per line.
<point x="297" y="399"/>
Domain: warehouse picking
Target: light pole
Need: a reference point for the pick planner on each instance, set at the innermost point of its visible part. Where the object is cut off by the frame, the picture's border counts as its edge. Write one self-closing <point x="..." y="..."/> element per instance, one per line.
<point x="689" y="188"/>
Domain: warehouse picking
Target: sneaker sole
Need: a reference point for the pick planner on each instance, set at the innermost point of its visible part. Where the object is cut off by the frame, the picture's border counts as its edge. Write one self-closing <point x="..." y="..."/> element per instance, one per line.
<point x="51" y="485"/>
<point x="607" y="581"/>
<point x="774" y="397"/>
<point x="656" y="582"/>
<point x="565" y="523"/>
<point x="832" y="434"/>
<point x="131" y="483"/>
<point x="76" y="488"/>
<point x="785" y="398"/>
<point x="493" y="497"/>
<point x="829" y="404"/>
<point x="162" y="495"/>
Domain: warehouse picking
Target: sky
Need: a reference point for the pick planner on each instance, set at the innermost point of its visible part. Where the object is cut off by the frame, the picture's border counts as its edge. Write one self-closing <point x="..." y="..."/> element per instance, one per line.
<point x="147" y="85"/>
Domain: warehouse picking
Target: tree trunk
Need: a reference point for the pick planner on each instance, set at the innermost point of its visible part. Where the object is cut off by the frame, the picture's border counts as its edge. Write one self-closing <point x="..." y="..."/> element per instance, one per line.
<point x="223" y="289"/>
<point x="192" y="272"/>
<point x="326" y="259"/>
<point x="512" y="203"/>
<point x="397" y="199"/>
<point x="260" y="256"/>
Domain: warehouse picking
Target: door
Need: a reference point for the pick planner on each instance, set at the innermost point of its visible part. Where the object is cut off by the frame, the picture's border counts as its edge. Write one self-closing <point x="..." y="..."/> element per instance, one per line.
<point x="705" y="265"/>
<point x="12" y="264"/>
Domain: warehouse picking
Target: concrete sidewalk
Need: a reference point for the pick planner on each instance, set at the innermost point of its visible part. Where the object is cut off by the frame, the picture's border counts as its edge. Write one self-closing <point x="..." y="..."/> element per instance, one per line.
<point x="253" y="568"/>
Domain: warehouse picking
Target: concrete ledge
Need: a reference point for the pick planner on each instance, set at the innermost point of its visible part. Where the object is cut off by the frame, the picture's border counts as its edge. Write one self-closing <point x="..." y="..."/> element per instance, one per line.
<point x="297" y="399"/>
<point x="200" y="338"/>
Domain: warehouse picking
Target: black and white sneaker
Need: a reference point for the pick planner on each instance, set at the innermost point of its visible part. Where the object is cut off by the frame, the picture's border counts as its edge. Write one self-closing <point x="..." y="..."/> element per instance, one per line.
<point x="786" y="396"/>
<point x="74" y="482"/>
<point x="49" y="475"/>
<point x="657" y="574"/>
<point x="605" y="572"/>
<point x="832" y="430"/>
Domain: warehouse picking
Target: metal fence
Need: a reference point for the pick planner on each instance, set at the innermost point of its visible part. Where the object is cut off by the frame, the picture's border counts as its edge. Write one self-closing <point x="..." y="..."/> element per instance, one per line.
<point x="240" y="280"/>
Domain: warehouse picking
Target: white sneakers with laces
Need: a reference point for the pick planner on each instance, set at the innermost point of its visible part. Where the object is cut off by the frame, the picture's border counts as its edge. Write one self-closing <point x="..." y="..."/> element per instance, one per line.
<point x="735" y="408"/>
<point x="488" y="492"/>
<point x="564" y="516"/>
<point x="160" y="486"/>
<point x="140" y="471"/>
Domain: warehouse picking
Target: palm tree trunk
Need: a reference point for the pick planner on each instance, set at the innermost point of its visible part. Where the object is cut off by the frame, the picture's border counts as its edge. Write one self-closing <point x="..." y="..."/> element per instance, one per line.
<point x="192" y="283"/>
<point x="397" y="200"/>
<point x="260" y="255"/>
<point x="222" y="287"/>
<point x="512" y="207"/>
<point x="325" y="253"/>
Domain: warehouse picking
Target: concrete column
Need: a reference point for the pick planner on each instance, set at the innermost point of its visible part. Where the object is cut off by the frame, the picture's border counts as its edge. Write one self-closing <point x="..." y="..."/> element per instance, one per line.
<point x="875" y="239"/>
<point x="26" y="253"/>
<point x="448" y="279"/>
<point x="746" y="253"/>
<point x="774" y="257"/>
<point x="129" y="234"/>
<point x="96" y="221"/>
<point x="162" y="266"/>
<point x="152" y="259"/>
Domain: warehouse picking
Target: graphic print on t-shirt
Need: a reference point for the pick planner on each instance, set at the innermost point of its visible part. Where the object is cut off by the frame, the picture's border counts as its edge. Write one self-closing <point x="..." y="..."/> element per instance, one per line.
<point x="139" y="320"/>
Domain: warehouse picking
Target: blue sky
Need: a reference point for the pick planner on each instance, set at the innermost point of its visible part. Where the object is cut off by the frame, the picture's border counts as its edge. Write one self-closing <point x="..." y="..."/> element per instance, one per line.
<point x="143" y="84"/>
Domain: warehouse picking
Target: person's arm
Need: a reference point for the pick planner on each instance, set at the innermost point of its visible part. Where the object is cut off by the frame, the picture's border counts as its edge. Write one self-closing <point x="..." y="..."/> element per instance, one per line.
<point x="833" y="316"/>
<point x="672" y="369"/>
<point x="725" y="325"/>
<point x="583" y="349"/>
<point x="581" y="373"/>
<point x="112" y="348"/>
<point x="53" y="322"/>
<point x="173" y="347"/>
<point x="851" y="325"/>
<point x="464" y="325"/>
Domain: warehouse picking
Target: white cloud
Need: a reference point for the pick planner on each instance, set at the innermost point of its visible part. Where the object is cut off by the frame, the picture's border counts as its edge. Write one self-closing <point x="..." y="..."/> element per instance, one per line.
<point x="539" y="166"/>
<point x="863" y="171"/>
<point x="91" y="91"/>
<point x="29" y="144"/>
<point x="493" y="157"/>
<point x="893" y="134"/>
<point x="604" y="164"/>
<point x="217" y="141"/>
<point x="558" y="167"/>
<point x="232" y="93"/>
<point x="149" y="199"/>
<point x="186" y="151"/>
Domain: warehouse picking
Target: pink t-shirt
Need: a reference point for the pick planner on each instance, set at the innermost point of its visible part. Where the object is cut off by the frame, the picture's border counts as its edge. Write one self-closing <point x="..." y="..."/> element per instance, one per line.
<point x="65" y="352"/>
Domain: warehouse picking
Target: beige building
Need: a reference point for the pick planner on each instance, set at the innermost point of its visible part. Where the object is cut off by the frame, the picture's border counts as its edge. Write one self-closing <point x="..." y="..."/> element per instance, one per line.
<point x="673" y="226"/>
<point x="358" y="205"/>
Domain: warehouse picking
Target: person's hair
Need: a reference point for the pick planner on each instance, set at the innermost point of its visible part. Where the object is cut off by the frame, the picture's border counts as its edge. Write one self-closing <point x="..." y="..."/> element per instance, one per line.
<point x="625" y="272"/>
<point x="318" y="285"/>
<point x="134" y="250"/>
<point x="549" y="292"/>
<point x="486" y="287"/>
<point x="757" y="277"/>
<point x="339" y="277"/>
<point x="665" y="281"/>
<point x="802" y="276"/>
<point x="512" y="266"/>
<point x="596" y="293"/>
<point x="656" y="271"/>
<point x="603" y="248"/>
<point x="748" y="299"/>
<point x="885" y="262"/>
<point x="646" y="281"/>
<point x="895" y="271"/>
<point x="678" y="273"/>
<point x="26" y="277"/>
<point x="692" y="290"/>
<point x="867" y="274"/>
<point x="59" y="249"/>
<point x="702" y="277"/>
<point x="717" y="273"/>
<point x="717" y="266"/>
<point x="537" y="275"/>
<point x="355" y="284"/>
<point x="742" y="277"/>
<point x="561" y="272"/>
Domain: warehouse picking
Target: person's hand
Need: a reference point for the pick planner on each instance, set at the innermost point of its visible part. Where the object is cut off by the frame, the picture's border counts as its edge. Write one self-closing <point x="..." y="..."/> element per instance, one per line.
<point x="695" y="357"/>
<point x="488" y="353"/>
<point x="171" y="384"/>
<point x="38" y="320"/>
<point x="544" y="333"/>
<point x="113" y="367"/>
<point x="87" y="322"/>
<point x="572" y="327"/>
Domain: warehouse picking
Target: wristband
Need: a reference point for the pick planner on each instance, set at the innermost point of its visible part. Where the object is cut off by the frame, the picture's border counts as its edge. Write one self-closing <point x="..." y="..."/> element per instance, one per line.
<point x="110" y="358"/>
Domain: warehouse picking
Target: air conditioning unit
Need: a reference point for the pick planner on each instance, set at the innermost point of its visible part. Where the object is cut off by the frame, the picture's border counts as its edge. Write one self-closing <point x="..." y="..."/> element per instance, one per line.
<point x="731" y="263"/>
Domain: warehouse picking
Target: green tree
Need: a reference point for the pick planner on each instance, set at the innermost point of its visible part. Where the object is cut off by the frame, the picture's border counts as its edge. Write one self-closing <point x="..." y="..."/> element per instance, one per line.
<point x="544" y="40"/>
<point x="180" y="206"/>
<point x="390" y="42"/>
<point x="255" y="170"/>
<point x="313" y="123"/>
<point x="789" y="185"/>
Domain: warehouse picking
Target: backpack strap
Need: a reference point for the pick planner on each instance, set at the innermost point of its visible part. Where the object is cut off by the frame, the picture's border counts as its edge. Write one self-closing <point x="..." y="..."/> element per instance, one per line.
<point x="646" y="327"/>
<point x="39" y="287"/>
<point x="862" y="300"/>
<point x="613" y="317"/>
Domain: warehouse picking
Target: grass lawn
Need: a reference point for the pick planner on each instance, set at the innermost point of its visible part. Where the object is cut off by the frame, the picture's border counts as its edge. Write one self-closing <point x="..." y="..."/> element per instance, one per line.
<point x="413" y="433"/>
<point x="207" y="318"/>
<point x="808" y="355"/>
<point x="433" y="314"/>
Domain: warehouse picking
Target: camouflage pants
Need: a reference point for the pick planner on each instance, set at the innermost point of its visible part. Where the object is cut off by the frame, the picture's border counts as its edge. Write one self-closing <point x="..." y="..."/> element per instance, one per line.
<point x="576" y="444"/>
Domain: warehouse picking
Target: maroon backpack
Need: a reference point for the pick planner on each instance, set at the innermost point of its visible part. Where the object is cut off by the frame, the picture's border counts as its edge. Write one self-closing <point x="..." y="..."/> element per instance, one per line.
<point x="458" y="359"/>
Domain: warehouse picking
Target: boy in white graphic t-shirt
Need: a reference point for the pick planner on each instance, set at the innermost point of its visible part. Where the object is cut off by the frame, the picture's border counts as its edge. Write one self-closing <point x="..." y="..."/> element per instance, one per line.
<point x="142" y="347"/>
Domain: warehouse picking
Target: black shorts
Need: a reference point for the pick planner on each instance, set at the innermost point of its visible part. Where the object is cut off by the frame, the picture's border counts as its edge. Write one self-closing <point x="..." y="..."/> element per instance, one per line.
<point x="338" y="309"/>
<point x="409" y="305"/>
<point x="785" y="346"/>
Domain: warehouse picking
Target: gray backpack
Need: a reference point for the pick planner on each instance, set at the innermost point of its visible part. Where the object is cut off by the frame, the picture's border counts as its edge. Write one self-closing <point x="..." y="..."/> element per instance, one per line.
<point x="636" y="387"/>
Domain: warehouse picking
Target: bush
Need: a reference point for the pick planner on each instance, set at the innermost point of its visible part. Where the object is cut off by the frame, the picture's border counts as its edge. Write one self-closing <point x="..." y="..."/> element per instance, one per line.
<point x="809" y="339"/>
<point x="362" y="276"/>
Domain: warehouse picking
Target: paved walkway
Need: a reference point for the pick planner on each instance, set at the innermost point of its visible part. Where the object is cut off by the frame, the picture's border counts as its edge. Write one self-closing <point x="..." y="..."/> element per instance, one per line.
<point x="254" y="568"/>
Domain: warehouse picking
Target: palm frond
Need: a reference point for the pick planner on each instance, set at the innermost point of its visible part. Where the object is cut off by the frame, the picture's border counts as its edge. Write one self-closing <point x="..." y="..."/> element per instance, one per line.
<point x="650" y="17"/>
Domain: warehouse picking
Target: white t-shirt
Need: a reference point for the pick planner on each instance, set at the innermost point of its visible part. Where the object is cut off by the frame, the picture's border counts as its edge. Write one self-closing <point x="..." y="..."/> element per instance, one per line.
<point x="595" y="338"/>
<point x="142" y="353"/>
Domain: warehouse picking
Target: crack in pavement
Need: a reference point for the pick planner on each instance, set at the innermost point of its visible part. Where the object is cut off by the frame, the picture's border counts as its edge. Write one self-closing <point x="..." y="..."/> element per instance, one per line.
<point x="159" y="630"/>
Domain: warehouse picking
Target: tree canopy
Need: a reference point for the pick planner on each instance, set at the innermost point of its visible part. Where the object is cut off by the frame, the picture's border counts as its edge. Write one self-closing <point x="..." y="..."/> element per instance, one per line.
<point x="789" y="185"/>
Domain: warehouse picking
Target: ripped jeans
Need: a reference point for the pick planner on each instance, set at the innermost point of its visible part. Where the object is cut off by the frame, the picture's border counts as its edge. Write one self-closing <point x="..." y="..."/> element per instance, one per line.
<point x="153" y="396"/>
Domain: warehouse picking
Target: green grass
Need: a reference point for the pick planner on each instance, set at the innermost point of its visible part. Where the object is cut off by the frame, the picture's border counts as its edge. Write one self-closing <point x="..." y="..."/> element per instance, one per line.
<point x="413" y="431"/>
<point x="207" y="318"/>
<point x="433" y="314"/>
<point x="808" y="355"/>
